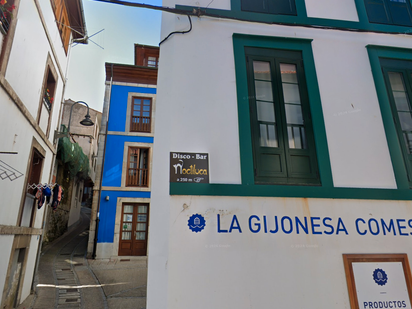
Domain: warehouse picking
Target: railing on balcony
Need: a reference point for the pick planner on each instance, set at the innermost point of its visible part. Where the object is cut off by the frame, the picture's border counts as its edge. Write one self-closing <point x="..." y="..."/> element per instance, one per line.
<point x="47" y="102"/>
<point x="137" y="177"/>
<point x="140" y="124"/>
<point x="4" y="22"/>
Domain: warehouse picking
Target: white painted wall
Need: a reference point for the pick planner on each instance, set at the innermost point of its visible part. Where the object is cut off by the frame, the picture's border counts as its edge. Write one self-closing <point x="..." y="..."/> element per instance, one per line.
<point x="252" y="270"/>
<point x="31" y="264"/>
<point x="25" y="74"/>
<point x="197" y="112"/>
<point x="332" y="9"/>
<point x="29" y="51"/>
<point x="6" y="242"/>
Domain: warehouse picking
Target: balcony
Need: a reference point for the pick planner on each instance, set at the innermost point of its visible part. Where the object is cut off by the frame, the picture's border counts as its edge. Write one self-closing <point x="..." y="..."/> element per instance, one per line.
<point x="140" y="124"/>
<point x="137" y="177"/>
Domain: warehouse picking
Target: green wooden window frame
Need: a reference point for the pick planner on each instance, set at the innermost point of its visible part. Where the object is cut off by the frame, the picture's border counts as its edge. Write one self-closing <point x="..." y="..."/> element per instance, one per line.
<point x="381" y="59"/>
<point x="400" y="98"/>
<point x="390" y="12"/>
<point x="285" y="7"/>
<point x="301" y="17"/>
<point x="282" y="135"/>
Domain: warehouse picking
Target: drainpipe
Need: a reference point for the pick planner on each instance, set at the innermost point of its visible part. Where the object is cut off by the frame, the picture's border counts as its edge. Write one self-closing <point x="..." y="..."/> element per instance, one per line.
<point x="101" y="172"/>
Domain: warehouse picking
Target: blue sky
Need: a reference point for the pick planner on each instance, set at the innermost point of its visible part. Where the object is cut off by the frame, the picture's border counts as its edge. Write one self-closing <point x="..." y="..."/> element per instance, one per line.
<point x="124" y="26"/>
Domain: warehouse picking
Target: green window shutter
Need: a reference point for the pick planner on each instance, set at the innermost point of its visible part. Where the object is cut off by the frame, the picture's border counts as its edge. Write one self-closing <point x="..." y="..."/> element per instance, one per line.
<point x="390" y="12"/>
<point x="398" y="79"/>
<point x="400" y="12"/>
<point x="377" y="12"/>
<point x="284" y="7"/>
<point x="258" y="6"/>
<point x="282" y="134"/>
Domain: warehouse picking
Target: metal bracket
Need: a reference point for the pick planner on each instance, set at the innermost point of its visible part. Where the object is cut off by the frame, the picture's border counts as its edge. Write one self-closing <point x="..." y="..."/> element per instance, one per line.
<point x="58" y="135"/>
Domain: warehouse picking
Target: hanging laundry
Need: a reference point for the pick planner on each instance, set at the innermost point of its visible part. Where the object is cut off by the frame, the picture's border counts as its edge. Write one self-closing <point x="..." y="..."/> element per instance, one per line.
<point x="55" y="201"/>
<point x="39" y="195"/>
<point x="47" y="193"/>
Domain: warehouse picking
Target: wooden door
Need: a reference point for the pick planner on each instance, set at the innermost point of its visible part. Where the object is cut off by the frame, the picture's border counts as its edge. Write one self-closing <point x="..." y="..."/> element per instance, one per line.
<point x="133" y="229"/>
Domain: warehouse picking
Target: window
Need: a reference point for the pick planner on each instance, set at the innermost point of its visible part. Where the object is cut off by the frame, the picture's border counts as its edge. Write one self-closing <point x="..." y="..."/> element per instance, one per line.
<point x="6" y="14"/>
<point x="282" y="134"/>
<point x="141" y="115"/>
<point x="398" y="79"/>
<point x="137" y="167"/>
<point x="48" y="93"/>
<point x="62" y="20"/>
<point x="286" y="7"/>
<point x="390" y="12"/>
<point x="152" y="62"/>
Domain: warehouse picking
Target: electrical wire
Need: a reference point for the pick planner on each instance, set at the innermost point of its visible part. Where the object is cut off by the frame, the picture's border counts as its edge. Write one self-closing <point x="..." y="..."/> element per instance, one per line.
<point x="203" y="12"/>
<point x="181" y="32"/>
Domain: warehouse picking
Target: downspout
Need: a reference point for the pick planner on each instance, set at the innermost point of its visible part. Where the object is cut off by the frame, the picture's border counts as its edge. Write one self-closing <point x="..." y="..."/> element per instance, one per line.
<point x="101" y="172"/>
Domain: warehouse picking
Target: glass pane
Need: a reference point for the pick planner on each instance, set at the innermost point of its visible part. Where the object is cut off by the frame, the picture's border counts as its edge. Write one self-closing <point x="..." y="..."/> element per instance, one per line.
<point x="146" y="102"/>
<point x="291" y="93"/>
<point x="126" y="235"/>
<point x="268" y="136"/>
<point x="396" y="80"/>
<point x="406" y="121"/>
<point x="265" y="111"/>
<point x="293" y="114"/>
<point x="408" y="138"/>
<point x="140" y="235"/>
<point x="136" y="113"/>
<point x="127" y="226"/>
<point x="264" y="91"/>
<point x="408" y="142"/>
<point x="146" y="108"/>
<point x="141" y="218"/>
<point x="127" y="218"/>
<point x="141" y="227"/>
<point x="128" y="209"/>
<point x="142" y="209"/>
<point x="261" y="70"/>
<point x="297" y="137"/>
<point x="302" y="132"/>
<point x="290" y="136"/>
<point x="401" y="101"/>
<point x="288" y="73"/>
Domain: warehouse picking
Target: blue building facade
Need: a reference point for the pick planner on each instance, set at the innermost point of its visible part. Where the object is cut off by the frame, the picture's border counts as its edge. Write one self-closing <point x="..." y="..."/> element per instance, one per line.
<point x="123" y="206"/>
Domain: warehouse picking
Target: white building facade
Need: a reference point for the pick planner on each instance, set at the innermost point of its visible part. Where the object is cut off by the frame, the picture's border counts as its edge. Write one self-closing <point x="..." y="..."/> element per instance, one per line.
<point x="35" y="49"/>
<point x="302" y="109"/>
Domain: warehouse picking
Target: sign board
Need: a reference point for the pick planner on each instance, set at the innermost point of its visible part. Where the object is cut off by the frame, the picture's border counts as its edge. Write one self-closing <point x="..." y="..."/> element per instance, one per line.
<point x="378" y="280"/>
<point x="189" y="167"/>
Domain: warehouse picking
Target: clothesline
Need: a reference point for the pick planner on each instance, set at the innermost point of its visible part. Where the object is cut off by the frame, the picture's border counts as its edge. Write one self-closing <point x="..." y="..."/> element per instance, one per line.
<point x="41" y="185"/>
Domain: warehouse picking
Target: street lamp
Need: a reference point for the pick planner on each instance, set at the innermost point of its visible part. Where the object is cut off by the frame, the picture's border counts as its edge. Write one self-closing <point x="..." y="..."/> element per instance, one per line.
<point x="85" y="122"/>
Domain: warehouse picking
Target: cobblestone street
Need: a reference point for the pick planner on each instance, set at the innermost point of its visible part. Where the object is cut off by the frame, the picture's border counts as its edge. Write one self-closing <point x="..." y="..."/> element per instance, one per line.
<point x="66" y="279"/>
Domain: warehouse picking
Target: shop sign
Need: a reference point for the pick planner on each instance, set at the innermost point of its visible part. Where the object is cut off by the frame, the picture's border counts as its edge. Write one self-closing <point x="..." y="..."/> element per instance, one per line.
<point x="378" y="280"/>
<point x="189" y="167"/>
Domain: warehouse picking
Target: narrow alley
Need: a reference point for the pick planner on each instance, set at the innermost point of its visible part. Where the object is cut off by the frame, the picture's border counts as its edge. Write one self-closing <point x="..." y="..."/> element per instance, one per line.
<point x="66" y="279"/>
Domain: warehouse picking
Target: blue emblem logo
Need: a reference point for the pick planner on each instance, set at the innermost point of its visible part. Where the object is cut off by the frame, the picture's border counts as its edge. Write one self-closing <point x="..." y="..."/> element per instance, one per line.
<point x="196" y="223"/>
<point x="380" y="276"/>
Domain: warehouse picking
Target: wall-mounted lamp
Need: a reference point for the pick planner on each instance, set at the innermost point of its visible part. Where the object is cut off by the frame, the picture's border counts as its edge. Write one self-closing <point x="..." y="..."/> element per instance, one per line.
<point x="85" y="122"/>
<point x="107" y="198"/>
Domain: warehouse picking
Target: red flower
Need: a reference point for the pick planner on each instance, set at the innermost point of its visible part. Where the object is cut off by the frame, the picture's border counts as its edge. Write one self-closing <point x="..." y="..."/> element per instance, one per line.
<point x="3" y="2"/>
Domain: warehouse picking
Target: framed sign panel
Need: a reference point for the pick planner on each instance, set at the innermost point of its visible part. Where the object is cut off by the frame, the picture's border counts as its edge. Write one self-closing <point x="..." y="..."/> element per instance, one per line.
<point x="378" y="280"/>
